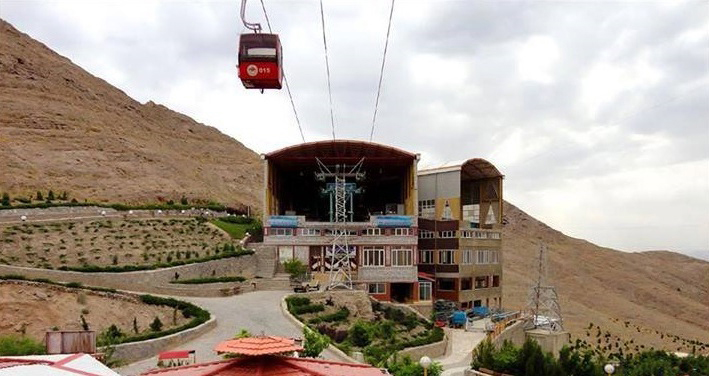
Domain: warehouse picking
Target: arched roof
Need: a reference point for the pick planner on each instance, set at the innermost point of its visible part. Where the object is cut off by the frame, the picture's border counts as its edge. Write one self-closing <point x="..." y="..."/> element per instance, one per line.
<point x="478" y="168"/>
<point x="341" y="151"/>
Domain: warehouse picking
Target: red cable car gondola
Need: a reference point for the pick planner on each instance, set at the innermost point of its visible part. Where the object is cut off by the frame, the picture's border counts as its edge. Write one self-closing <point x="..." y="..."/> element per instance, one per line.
<point x="260" y="61"/>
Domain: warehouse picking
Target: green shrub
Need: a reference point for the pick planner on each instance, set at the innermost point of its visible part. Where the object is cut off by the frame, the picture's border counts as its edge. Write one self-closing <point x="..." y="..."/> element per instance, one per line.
<point x="13" y="346"/>
<point x="408" y="367"/>
<point x="309" y="308"/>
<point x="156" y="325"/>
<point x="359" y="335"/>
<point x="341" y="315"/>
<point x="314" y="344"/>
<point x="295" y="268"/>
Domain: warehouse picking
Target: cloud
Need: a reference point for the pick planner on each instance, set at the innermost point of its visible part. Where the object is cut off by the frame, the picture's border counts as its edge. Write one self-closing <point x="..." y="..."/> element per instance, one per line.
<point x="597" y="112"/>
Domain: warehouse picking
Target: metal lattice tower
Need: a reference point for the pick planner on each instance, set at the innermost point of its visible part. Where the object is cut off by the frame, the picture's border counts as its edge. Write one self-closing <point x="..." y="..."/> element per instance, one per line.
<point x="340" y="193"/>
<point x="543" y="299"/>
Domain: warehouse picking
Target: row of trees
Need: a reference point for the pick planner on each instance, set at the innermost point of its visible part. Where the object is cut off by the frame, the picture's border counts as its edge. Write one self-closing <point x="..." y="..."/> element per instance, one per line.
<point x="530" y="360"/>
<point x="39" y="196"/>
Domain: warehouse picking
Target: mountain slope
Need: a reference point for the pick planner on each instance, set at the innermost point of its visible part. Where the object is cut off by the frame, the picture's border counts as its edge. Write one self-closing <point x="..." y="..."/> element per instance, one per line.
<point x="661" y="291"/>
<point x="63" y="129"/>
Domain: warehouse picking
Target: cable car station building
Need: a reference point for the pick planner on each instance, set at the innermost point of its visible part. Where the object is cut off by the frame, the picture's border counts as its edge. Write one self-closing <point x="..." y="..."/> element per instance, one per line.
<point x="369" y="201"/>
<point x="460" y="232"/>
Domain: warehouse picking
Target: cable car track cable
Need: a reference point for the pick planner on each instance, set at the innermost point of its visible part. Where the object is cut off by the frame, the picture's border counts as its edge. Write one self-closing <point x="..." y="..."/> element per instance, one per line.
<point x="381" y="72"/>
<point x="327" y="66"/>
<point x="285" y="79"/>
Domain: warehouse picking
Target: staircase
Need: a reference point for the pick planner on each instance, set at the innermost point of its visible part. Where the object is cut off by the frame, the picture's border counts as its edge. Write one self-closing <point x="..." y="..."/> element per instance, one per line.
<point x="266" y="261"/>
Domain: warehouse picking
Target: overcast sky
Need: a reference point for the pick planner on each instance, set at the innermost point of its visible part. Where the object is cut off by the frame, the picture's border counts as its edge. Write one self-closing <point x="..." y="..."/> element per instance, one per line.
<point x="597" y="112"/>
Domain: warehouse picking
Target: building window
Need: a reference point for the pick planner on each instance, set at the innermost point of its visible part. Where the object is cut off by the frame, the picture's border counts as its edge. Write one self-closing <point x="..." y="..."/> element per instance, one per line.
<point x="372" y="232"/>
<point x="425" y="291"/>
<point x="373" y="256"/>
<point x="425" y="234"/>
<point x="281" y="231"/>
<point x="402" y="231"/>
<point x="481" y="282"/>
<point x="446" y="284"/>
<point x="486" y="256"/>
<point x="480" y="235"/>
<point x="446" y="234"/>
<point x="468" y="256"/>
<point x="427" y="208"/>
<point x="446" y="256"/>
<point x="310" y="231"/>
<point x="377" y="288"/>
<point x="494" y="235"/>
<point x="425" y="257"/>
<point x="466" y="283"/>
<point x="402" y="257"/>
<point x="495" y="281"/>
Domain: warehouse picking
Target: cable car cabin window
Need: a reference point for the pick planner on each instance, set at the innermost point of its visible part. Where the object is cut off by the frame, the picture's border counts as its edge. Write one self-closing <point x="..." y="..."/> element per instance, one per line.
<point x="261" y="52"/>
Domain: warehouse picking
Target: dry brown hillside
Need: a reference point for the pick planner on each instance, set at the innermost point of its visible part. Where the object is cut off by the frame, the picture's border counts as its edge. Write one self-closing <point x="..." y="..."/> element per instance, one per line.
<point x="63" y="129"/>
<point x="660" y="294"/>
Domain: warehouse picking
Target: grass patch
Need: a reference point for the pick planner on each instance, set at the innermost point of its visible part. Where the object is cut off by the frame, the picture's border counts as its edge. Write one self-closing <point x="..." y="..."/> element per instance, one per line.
<point x="14" y="345"/>
<point x="199" y="281"/>
<point x="235" y="230"/>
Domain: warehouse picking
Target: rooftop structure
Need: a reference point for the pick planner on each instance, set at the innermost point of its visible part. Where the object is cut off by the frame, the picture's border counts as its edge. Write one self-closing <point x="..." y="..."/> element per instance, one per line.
<point x="55" y="365"/>
<point x="265" y="356"/>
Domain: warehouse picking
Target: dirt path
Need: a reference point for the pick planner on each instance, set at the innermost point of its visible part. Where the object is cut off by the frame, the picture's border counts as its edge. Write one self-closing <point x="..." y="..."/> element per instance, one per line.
<point x="460" y="355"/>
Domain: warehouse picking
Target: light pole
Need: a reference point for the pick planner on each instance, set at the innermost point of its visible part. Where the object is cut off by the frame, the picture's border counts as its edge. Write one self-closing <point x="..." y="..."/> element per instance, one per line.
<point x="609" y="369"/>
<point x="425" y="362"/>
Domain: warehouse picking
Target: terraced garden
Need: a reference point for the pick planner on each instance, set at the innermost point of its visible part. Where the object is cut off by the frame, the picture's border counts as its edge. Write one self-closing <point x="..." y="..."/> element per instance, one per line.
<point x="139" y="243"/>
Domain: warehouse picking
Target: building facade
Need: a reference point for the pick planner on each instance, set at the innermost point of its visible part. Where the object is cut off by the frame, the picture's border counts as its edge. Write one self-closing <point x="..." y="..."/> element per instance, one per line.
<point x="411" y="237"/>
<point x="381" y="227"/>
<point x="460" y="233"/>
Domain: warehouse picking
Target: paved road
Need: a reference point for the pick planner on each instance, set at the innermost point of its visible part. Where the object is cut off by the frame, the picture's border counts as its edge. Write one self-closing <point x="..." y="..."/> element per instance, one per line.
<point x="458" y="360"/>
<point x="256" y="311"/>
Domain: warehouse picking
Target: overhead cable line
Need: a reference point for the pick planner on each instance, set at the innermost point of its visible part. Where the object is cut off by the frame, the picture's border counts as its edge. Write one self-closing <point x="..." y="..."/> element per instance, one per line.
<point x="327" y="66"/>
<point x="381" y="72"/>
<point x="285" y="79"/>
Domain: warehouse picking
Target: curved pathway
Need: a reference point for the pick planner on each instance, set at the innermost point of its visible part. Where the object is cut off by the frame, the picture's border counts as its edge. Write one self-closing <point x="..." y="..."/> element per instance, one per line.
<point x="257" y="312"/>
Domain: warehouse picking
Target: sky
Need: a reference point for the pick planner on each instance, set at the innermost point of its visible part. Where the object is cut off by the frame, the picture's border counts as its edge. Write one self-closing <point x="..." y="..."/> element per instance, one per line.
<point x="597" y="112"/>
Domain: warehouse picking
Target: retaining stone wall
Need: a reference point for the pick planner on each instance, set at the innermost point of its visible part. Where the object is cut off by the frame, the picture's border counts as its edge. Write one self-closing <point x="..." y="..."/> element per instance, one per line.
<point x="134" y="351"/>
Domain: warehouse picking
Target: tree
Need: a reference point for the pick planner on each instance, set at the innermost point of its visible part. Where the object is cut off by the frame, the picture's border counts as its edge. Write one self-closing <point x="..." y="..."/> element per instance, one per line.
<point x="314" y="344"/>
<point x="39" y="196"/>
<point x="135" y="325"/>
<point x="156" y="325"/>
<point x="407" y="367"/>
<point x="50" y="195"/>
<point x="183" y="200"/>
<point x="243" y="333"/>
<point x="5" y="199"/>
<point x="295" y="268"/>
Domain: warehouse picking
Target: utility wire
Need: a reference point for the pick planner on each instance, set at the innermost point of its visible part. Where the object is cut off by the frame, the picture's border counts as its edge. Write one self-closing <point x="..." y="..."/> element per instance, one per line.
<point x="285" y="79"/>
<point x="327" y="66"/>
<point x="381" y="73"/>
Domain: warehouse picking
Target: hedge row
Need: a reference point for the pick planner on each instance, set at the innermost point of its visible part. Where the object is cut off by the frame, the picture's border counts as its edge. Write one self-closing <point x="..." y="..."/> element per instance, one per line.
<point x="49" y="281"/>
<point x="159" y="265"/>
<point x="119" y="207"/>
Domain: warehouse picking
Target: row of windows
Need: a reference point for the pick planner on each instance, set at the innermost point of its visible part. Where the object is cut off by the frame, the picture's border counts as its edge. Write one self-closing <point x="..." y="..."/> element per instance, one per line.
<point x="481" y="282"/>
<point x="425" y="289"/>
<point x="372" y="256"/>
<point x="468" y="256"/>
<point x="466" y="234"/>
<point x="318" y="232"/>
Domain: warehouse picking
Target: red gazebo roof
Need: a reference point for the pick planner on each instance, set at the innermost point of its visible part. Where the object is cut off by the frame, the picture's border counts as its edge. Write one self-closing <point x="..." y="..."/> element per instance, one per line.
<point x="271" y="366"/>
<point x="254" y="346"/>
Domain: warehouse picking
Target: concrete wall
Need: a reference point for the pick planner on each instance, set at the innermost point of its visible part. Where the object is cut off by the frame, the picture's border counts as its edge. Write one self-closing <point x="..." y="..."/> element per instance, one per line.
<point x="550" y="341"/>
<point x="432" y="350"/>
<point x="514" y="333"/>
<point x="134" y="351"/>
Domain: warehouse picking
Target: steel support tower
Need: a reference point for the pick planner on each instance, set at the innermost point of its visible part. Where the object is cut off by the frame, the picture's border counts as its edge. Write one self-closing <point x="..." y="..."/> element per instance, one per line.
<point x="543" y="299"/>
<point x="340" y="192"/>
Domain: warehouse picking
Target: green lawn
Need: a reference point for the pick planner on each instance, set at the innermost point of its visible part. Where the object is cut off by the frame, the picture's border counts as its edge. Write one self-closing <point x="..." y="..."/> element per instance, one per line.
<point x="236" y="230"/>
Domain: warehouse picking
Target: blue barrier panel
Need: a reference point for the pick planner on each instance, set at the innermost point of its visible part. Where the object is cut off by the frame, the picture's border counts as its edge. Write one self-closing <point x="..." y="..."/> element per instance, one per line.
<point x="394" y="221"/>
<point x="290" y="221"/>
